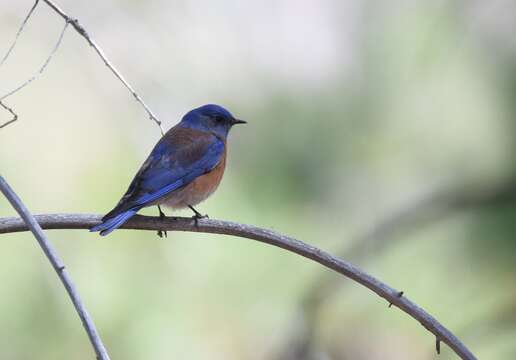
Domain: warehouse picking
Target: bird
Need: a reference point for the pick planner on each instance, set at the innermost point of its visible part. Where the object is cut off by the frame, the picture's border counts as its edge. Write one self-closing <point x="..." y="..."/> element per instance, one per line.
<point x="183" y="169"/>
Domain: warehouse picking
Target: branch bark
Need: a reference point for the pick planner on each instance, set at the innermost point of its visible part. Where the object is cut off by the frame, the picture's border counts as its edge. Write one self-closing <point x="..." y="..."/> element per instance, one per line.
<point x="392" y="296"/>
<point x="31" y="224"/>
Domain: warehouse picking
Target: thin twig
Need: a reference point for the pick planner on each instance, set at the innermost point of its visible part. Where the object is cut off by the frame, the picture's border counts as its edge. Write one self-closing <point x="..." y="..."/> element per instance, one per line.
<point x="11" y="48"/>
<point x="43" y="67"/>
<point x="9" y="51"/>
<point x="15" y="115"/>
<point x="82" y="31"/>
<point x="31" y="223"/>
<point x="86" y="221"/>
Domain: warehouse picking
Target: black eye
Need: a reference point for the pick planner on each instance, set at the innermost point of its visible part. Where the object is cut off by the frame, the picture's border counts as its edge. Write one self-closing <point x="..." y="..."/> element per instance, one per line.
<point x="219" y="118"/>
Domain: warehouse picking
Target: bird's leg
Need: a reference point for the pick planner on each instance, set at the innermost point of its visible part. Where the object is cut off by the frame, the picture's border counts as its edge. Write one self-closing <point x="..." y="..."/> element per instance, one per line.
<point x="197" y="215"/>
<point x="162" y="216"/>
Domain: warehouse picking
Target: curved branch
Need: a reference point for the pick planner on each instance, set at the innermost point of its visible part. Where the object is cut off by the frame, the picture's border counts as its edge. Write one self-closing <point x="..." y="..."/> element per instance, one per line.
<point x="394" y="297"/>
<point x="433" y="206"/>
<point x="31" y="223"/>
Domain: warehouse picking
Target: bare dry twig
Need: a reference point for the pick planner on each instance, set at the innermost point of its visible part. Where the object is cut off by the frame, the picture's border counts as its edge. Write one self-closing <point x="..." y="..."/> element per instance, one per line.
<point x="20" y="30"/>
<point x="6" y="56"/>
<point x="38" y="73"/>
<point x="392" y="296"/>
<point x="31" y="223"/>
<point x="42" y="68"/>
<point x="15" y="115"/>
<point x="82" y="31"/>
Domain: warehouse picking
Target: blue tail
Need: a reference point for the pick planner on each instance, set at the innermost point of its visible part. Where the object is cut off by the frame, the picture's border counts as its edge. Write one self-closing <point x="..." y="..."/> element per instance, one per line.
<point x="108" y="225"/>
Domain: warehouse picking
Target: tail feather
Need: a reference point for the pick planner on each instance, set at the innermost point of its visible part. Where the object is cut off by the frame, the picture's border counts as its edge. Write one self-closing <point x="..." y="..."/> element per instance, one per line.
<point x="110" y="224"/>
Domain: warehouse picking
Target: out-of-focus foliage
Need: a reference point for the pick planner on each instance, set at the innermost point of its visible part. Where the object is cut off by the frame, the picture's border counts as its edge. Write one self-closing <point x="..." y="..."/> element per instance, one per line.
<point x="354" y="108"/>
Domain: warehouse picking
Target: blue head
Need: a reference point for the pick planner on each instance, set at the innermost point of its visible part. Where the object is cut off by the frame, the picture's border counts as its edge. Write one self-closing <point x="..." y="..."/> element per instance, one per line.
<point x="212" y="118"/>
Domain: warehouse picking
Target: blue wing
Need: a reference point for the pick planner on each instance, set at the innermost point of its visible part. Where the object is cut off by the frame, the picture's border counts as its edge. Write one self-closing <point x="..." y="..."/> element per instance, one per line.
<point x="180" y="157"/>
<point x="171" y="169"/>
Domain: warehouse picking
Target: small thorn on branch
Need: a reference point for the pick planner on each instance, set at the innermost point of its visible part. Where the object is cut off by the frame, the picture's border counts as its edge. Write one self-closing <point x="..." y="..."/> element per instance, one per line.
<point x="399" y="294"/>
<point x="78" y="27"/>
<point x="156" y="120"/>
<point x="438" y="345"/>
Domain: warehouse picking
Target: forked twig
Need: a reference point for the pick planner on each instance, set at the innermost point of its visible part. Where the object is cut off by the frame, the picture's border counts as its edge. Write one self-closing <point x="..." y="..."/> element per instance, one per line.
<point x="9" y="51"/>
<point x="82" y="31"/>
<point x="15" y="115"/>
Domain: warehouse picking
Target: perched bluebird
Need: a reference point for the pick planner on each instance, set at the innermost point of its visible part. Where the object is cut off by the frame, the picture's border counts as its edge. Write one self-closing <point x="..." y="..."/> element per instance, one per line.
<point x="183" y="169"/>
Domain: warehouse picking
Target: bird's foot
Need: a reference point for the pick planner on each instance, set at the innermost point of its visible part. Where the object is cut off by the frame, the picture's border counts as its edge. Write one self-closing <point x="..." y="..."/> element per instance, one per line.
<point x="197" y="215"/>
<point x="196" y="218"/>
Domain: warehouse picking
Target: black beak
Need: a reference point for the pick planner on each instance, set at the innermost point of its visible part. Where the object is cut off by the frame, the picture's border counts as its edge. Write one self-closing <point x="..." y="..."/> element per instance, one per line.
<point x="238" y="121"/>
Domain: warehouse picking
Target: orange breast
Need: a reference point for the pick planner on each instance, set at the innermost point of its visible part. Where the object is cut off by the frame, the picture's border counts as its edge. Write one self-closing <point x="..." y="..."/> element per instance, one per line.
<point x="199" y="189"/>
<point x="206" y="184"/>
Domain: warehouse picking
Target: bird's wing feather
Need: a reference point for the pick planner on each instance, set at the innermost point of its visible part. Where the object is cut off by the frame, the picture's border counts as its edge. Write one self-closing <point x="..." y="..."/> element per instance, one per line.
<point x="179" y="157"/>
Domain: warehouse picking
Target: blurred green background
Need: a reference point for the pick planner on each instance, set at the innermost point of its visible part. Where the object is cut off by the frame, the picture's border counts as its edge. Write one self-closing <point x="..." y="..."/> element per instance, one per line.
<point x="381" y="131"/>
